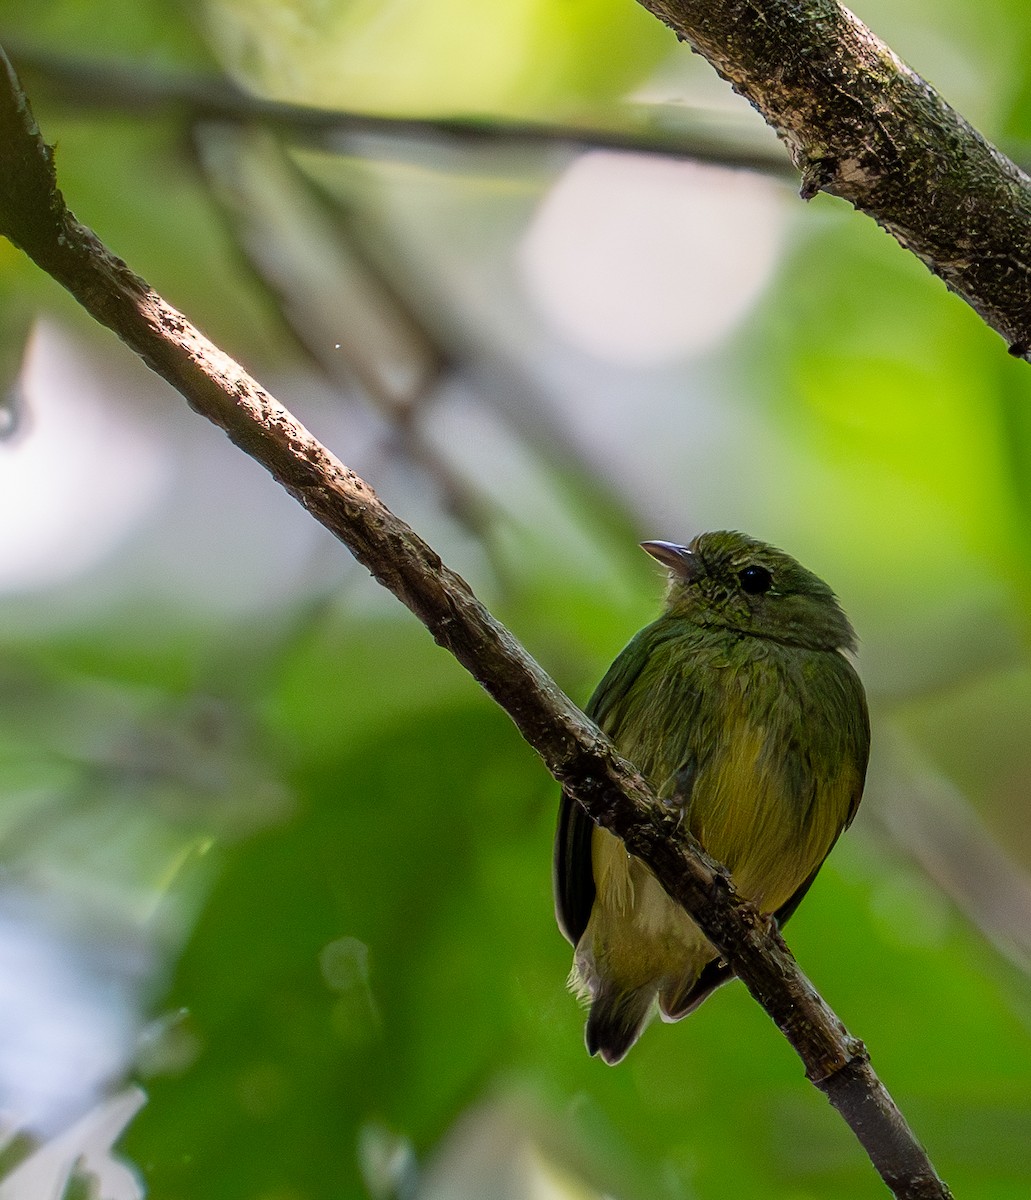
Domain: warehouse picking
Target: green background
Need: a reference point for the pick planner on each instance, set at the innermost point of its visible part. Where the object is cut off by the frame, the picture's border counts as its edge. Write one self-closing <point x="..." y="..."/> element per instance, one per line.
<point x="222" y="744"/>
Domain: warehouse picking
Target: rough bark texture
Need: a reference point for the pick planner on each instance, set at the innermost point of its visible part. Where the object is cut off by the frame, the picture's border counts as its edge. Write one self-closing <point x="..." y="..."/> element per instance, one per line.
<point x="33" y="215"/>
<point x="861" y="125"/>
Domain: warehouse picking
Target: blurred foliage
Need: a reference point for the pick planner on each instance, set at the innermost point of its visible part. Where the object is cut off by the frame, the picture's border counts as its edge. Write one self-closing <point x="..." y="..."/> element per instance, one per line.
<point x="527" y="56"/>
<point x="293" y="866"/>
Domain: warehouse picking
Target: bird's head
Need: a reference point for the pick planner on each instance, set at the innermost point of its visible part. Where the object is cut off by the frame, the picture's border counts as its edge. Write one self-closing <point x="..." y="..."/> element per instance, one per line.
<point x="730" y="580"/>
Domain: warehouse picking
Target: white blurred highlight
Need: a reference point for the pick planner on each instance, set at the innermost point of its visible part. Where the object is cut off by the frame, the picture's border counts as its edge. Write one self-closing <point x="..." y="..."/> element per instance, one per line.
<point x="68" y="1018"/>
<point x="492" y="1150"/>
<point x="641" y="261"/>
<point x="86" y="1149"/>
<point x="79" y="475"/>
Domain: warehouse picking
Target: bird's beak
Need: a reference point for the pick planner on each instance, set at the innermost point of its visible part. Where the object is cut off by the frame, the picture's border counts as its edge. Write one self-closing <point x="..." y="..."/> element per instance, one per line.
<point x="682" y="561"/>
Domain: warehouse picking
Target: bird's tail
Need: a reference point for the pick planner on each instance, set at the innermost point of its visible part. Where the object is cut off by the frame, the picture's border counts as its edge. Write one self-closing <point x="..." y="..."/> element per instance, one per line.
<point x="617" y="1020"/>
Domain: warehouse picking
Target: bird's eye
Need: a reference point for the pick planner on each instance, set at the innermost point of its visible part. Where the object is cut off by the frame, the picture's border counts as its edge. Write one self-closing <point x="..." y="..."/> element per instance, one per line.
<point x="755" y="580"/>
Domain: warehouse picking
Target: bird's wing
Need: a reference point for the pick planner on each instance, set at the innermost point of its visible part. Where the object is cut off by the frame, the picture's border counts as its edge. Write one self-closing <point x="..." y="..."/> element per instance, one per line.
<point x="573" y="876"/>
<point x="573" y="873"/>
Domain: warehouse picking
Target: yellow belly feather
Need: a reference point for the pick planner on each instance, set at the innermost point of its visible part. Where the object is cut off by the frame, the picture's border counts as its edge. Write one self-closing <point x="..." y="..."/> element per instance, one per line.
<point x="741" y="812"/>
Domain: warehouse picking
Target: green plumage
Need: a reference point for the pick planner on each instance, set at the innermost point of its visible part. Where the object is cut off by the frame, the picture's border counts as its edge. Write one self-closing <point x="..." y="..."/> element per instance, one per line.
<point x="741" y="710"/>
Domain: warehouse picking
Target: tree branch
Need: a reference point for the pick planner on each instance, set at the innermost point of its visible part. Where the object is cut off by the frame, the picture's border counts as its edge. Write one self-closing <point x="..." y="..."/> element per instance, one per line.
<point x="34" y="216"/>
<point x="861" y="125"/>
<point x="84" y="84"/>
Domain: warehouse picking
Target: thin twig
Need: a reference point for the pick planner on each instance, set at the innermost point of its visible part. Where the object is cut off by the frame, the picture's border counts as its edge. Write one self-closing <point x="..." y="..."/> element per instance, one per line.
<point x="85" y="85"/>
<point x="943" y="834"/>
<point x="34" y="216"/>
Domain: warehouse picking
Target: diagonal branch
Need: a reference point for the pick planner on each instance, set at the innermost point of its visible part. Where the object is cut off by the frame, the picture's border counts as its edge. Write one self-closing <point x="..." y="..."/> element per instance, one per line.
<point x="34" y="216"/>
<point x="861" y="125"/>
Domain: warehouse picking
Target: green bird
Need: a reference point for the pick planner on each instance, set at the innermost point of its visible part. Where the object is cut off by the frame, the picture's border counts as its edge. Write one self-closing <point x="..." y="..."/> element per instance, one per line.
<point x="741" y="709"/>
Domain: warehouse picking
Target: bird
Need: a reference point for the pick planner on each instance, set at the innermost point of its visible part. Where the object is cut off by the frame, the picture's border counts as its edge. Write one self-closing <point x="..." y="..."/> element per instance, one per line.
<point x="742" y="708"/>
